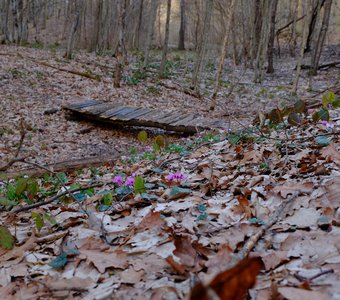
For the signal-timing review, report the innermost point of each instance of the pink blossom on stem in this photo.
(118, 180)
(178, 177)
(130, 181)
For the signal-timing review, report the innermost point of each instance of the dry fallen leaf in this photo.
(231, 284)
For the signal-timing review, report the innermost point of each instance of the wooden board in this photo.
(113, 113)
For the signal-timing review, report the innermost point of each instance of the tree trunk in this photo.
(166, 40)
(322, 36)
(202, 46)
(263, 43)
(273, 8)
(72, 36)
(316, 12)
(302, 47)
(139, 24)
(256, 35)
(152, 19)
(223, 54)
(181, 40)
(121, 53)
(292, 40)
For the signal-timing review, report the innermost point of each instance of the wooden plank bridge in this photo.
(178, 121)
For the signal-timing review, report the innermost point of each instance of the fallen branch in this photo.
(84, 74)
(53, 198)
(187, 91)
(250, 244)
(64, 166)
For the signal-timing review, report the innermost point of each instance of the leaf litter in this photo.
(257, 217)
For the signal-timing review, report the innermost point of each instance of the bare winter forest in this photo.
(170, 149)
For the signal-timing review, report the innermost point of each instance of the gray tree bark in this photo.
(166, 40)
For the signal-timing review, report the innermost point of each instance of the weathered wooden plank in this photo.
(137, 113)
(79, 105)
(155, 116)
(120, 115)
(185, 121)
(137, 116)
(97, 109)
(112, 111)
(175, 118)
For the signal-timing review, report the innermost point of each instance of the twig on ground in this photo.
(250, 244)
(53, 198)
(324, 272)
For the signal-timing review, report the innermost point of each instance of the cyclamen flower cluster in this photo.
(178, 177)
(119, 180)
(329, 125)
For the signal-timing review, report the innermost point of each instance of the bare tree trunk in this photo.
(223, 54)
(139, 24)
(166, 40)
(263, 43)
(273, 8)
(256, 35)
(154, 4)
(121, 53)
(322, 35)
(202, 46)
(72, 36)
(4, 23)
(292, 40)
(316, 12)
(302, 47)
(181, 40)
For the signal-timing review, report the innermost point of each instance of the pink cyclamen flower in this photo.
(175, 177)
(327, 124)
(118, 180)
(130, 181)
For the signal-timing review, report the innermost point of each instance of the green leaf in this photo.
(160, 141)
(336, 103)
(122, 191)
(21, 186)
(39, 220)
(316, 117)
(327, 98)
(49, 218)
(201, 207)
(202, 217)
(300, 106)
(6, 202)
(32, 189)
(256, 221)
(6, 238)
(62, 177)
(138, 185)
(59, 262)
(107, 199)
(142, 136)
(322, 140)
(324, 114)
(178, 192)
(150, 197)
(80, 196)
(294, 119)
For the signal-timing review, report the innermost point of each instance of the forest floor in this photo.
(157, 219)
(30, 89)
